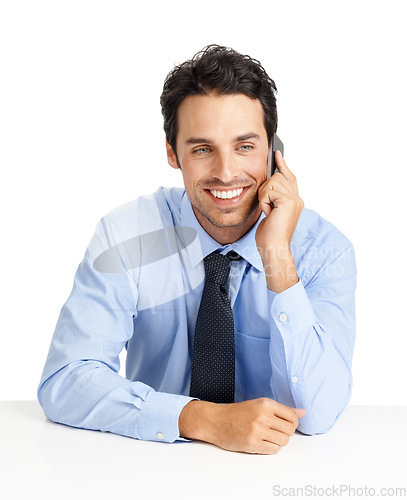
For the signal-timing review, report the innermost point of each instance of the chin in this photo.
(229, 219)
(225, 223)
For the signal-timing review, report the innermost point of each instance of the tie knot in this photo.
(217, 268)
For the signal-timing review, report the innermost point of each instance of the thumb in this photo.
(300, 412)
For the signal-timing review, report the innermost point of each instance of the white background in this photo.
(81, 133)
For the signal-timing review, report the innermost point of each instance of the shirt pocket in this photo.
(253, 367)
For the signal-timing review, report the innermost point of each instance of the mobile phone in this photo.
(275, 145)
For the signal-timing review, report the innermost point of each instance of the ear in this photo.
(171, 156)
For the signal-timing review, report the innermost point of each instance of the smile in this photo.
(227, 195)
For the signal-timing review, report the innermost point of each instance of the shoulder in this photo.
(146, 213)
(117, 237)
(320, 232)
(318, 244)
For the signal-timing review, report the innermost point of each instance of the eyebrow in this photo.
(200, 140)
(246, 137)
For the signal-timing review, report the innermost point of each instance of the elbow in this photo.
(325, 410)
(311, 427)
(56, 396)
(49, 401)
(318, 422)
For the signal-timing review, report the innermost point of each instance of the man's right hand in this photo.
(260, 426)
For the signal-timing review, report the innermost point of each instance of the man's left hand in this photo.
(274, 233)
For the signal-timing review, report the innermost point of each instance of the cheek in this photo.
(188, 175)
(258, 169)
(191, 185)
(192, 175)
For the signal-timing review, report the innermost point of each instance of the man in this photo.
(288, 291)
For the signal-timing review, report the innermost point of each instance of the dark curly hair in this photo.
(220, 71)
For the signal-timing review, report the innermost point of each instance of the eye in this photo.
(201, 151)
(246, 147)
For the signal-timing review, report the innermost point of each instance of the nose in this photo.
(224, 167)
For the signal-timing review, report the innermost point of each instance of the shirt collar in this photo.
(245, 246)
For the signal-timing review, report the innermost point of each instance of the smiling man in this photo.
(235, 302)
(222, 146)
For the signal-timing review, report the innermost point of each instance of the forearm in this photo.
(197, 420)
(316, 378)
(80, 385)
(311, 364)
(279, 268)
(312, 345)
(89, 395)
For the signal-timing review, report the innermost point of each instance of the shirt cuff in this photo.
(158, 420)
(292, 310)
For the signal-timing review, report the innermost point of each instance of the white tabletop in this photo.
(367, 448)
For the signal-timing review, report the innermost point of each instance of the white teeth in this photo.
(227, 194)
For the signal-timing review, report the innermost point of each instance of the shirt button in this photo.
(294, 379)
(160, 435)
(283, 317)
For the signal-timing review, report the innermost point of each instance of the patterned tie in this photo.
(213, 359)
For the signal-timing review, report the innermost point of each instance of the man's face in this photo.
(222, 149)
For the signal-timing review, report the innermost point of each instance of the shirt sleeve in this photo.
(80, 385)
(312, 345)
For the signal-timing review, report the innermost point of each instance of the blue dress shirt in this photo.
(139, 286)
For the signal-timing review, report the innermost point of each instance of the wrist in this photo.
(279, 268)
(196, 421)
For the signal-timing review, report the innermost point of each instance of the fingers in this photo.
(300, 412)
(269, 443)
(270, 198)
(259, 426)
(266, 200)
(269, 446)
(280, 417)
(266, 448)
(277, 438)
(283, 169)
(273, 439)
(281, 185)
(284, 426)
(289, 414)
(281, 188)
(283, 180)
(278, 183)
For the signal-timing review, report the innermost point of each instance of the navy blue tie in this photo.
(213, 359)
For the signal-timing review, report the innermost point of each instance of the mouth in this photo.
(226, 194)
